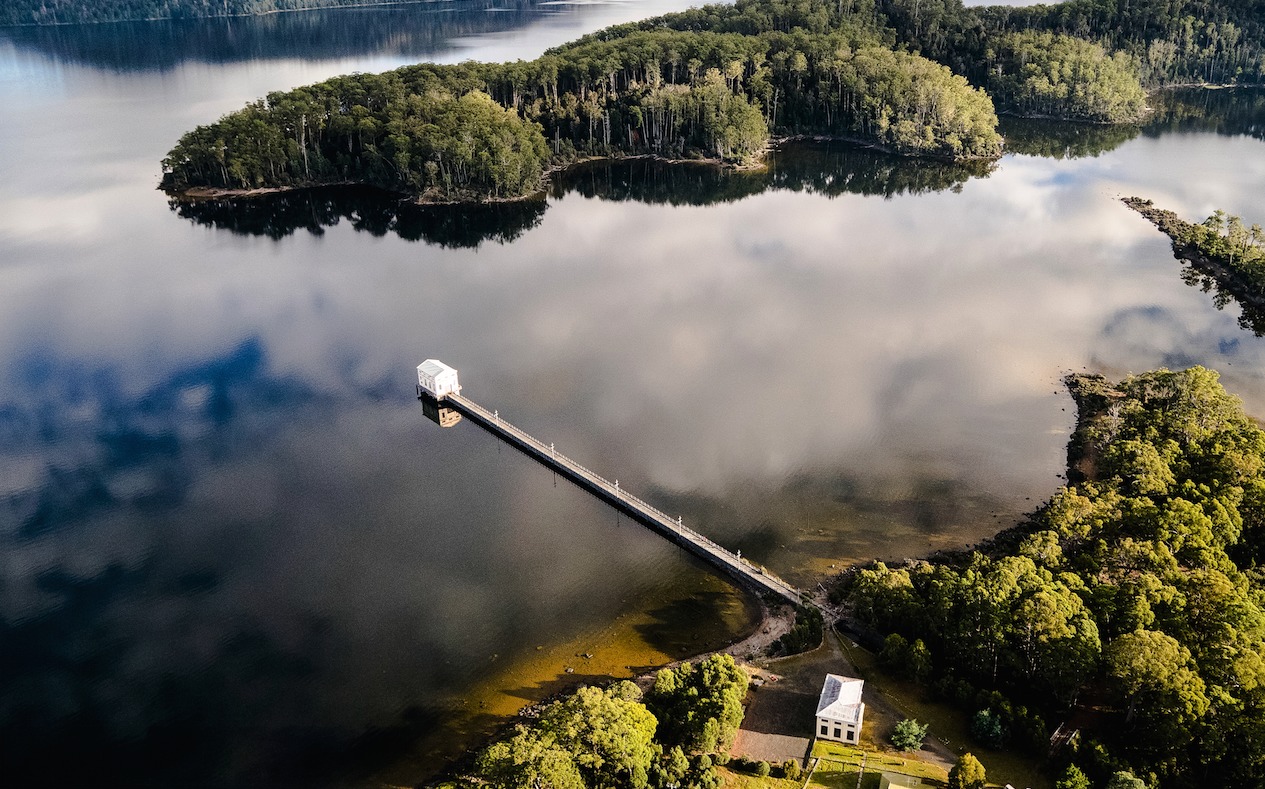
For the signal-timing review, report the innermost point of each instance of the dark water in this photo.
(236, 552)
(406, 30)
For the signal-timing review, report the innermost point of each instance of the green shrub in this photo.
(988, 729)
(1072, 778)
(909, 734)
(967, 773)
(792, 770)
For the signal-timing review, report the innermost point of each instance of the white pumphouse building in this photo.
(840, 711)
(437, 378)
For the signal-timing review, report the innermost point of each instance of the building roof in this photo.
(899, 781)
(434, 367)
(841, 698)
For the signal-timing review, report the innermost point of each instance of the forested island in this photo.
(823, 168)
(1128, 608)
(1224, 253)
(718, 83)
(682, 86)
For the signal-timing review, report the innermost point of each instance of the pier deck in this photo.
(744, 573)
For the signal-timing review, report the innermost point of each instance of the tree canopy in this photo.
(967, 773)
(1140, 579)
(613, 739)
(1178, 42)
(1061, 76)
(908, 735)
(716, 82)
(700, 707)
(710, 83)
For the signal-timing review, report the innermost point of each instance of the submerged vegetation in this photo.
(1130, 605)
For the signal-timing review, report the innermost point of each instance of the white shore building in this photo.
(840, 712)
(437, 378)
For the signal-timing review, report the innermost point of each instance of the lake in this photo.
(236, 552)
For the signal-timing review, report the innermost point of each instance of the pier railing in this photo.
(703, 547)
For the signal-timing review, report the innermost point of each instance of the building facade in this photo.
(437, 378)
(840, 711)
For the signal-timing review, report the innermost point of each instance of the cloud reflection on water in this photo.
(225, 511)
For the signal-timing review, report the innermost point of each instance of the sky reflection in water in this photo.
(231, 537)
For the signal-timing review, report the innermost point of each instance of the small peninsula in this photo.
(1224, 253)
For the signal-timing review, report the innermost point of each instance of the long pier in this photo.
(747, 575)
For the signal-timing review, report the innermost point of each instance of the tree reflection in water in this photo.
(369, 210)
(829, 169)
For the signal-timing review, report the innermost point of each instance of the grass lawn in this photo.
(888, 763)
(838, 752)
(840, 764)
(843, 780)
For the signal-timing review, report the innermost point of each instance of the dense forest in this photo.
(1036, 74)
(671, 737)
(1178, 42)
(712, 82)
(1171, 43)
(1130, 606)
(710, 92)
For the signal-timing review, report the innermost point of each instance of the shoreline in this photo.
(770, 624)
(195, 194)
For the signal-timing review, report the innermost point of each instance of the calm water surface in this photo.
(235, 551)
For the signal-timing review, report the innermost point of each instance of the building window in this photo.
(824, 730)
(838, 734)
(851, 735)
